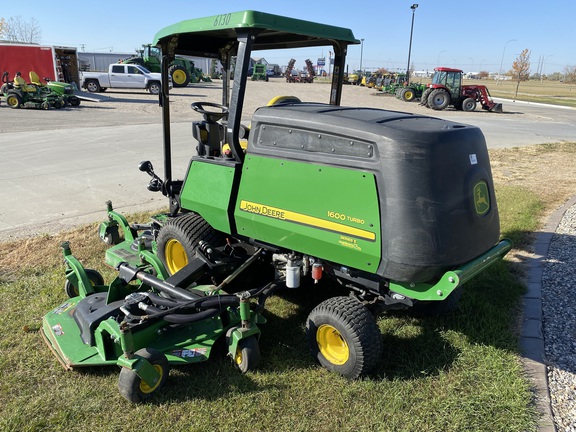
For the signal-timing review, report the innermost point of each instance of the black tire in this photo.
(93, 86)
(13, 100)
(179, 237)
(439, 99)
(424, 98)
(469, 104)
(180, 76)
(74, 101)
(133, 388)
(247, 355)
(154, 87)
(94, 277)
(344, 337)
(407, 94)
(111, 236)
(436, 308)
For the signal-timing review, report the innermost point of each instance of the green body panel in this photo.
(230, 22)
(453, 279)
(343, 226)
(207, 190)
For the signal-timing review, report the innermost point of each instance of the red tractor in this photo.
(447, 89)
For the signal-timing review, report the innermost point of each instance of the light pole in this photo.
(413, 7)
(361, 52)
(502, 61)
(543, 66)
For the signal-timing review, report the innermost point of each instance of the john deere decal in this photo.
(481, 198)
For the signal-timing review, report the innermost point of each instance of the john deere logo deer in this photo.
(481, 198)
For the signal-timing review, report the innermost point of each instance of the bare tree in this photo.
(570, 74)
(521, 69)
(16, 29)
(2, 27)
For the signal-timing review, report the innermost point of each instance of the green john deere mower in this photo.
(398, 208)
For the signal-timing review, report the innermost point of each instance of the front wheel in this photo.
(179, 237)
(469, 104)
(13, 100)
(247, 356)
(93, 86)
(134, 388)
(180, 76)
(94, 277)
(344, 337)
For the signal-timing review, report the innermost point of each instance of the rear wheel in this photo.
(179, 237)
(134, 388)
(424, 98)
(344, 337)
(469, 104)
(439, 99)
(180, 76)
(13, 100)
(93, 86)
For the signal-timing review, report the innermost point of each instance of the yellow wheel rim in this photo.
(238, 356)
(179, 76)
(175, 255)
(12, 101)
(332, 345)
(408, 95)
(145, 388)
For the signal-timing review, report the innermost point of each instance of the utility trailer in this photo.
(58, 63)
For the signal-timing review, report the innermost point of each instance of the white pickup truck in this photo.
(128, 76)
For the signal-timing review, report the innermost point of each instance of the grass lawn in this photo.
(453, 373)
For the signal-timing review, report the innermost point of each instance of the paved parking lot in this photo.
(58, 167)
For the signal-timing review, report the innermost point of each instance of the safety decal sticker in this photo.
(62, 308)
(57, 329)
(189, 353)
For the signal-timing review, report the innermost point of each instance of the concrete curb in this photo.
(532, 337)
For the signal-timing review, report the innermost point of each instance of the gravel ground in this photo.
(559, 321)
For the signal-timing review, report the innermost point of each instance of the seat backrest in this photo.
(19, 81)
(34, 78)
(22, 85)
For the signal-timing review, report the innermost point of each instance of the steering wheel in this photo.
(209, 115)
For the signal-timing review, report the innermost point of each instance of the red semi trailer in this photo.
(55, 62)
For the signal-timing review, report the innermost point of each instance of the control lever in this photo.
(156, 182)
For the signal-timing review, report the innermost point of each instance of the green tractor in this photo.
(353, 197)
(259, 72)
(182, 71)
(411, 92)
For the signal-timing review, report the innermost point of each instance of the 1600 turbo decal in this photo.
(302, 219)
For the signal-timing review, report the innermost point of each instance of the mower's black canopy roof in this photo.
(205, 37)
